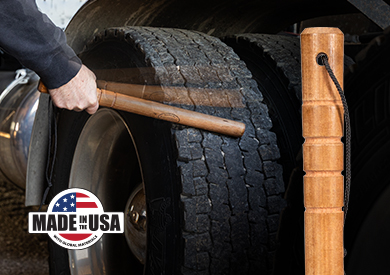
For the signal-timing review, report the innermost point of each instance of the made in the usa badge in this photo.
(75, 219)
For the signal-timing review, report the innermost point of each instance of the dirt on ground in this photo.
(20, 252)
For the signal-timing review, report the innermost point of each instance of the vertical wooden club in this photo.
(323, 160)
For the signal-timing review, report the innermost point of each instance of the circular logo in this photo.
(75, 219)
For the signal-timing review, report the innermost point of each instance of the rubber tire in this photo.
(225, 193)
(66, 140)
(274, 61)
(367, 90)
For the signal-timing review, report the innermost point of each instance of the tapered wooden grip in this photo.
(165, 112)
(169, 113)
(323, 157)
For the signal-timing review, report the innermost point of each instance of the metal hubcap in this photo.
(106, 163)
(135, 223)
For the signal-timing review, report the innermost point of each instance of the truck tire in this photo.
(274, 61)
(213, 202)
(367, 91)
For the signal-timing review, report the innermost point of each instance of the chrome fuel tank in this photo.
(18, 106)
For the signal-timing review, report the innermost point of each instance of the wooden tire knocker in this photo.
(323, 152)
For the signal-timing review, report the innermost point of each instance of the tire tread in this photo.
(228, 222)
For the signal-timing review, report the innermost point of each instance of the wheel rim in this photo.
(106, 163)
(370, 251)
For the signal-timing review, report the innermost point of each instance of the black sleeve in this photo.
(36, 42)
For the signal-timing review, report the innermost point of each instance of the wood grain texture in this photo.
(169, 113)
(178, 95)
(323, 152)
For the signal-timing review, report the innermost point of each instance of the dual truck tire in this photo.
(213, 202)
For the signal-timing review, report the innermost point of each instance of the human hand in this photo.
(78, 94)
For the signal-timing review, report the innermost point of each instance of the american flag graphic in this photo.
(73, 202)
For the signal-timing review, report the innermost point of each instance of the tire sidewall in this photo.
(367, 89)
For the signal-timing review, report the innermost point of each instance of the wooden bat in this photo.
(165, 112)
(323, 160)
(178, 95)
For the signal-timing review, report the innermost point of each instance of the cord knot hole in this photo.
(321, 57)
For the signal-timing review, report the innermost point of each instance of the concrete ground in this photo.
(20, 252)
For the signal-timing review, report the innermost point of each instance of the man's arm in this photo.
(38, 44)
